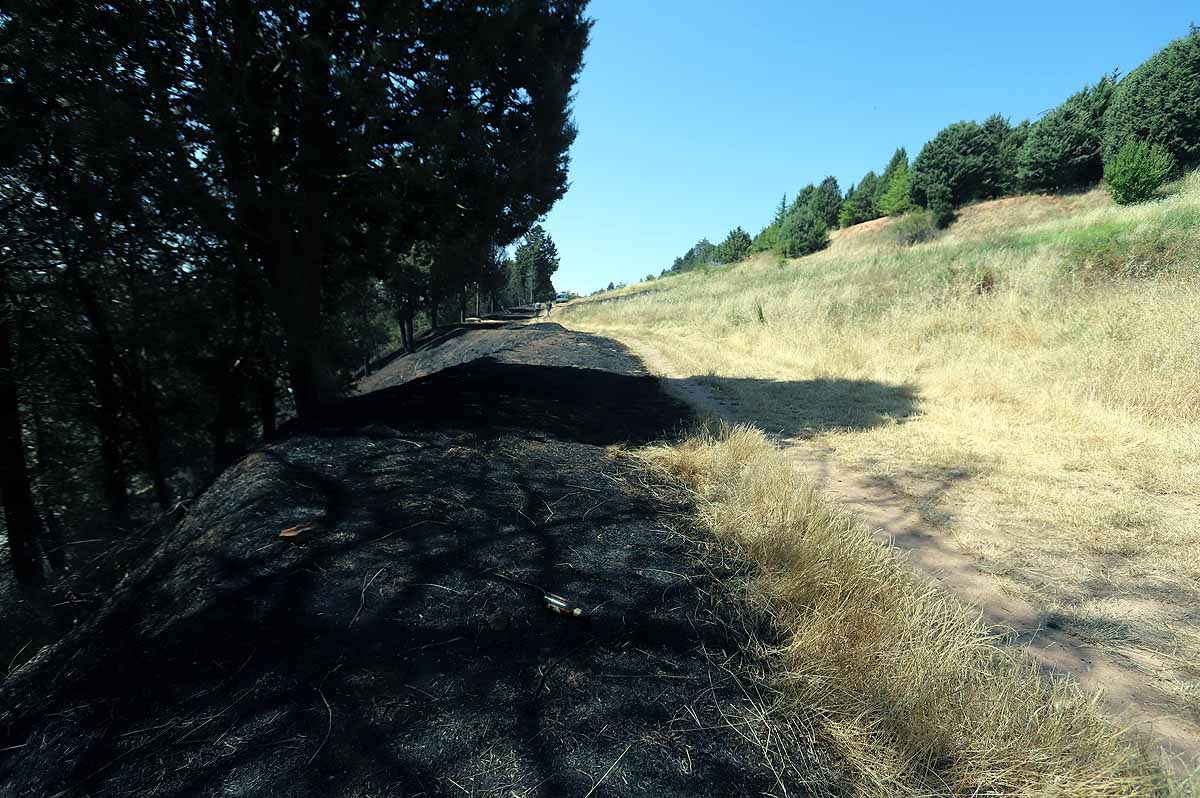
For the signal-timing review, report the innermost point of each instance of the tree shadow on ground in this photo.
(398, 643)
(804, 408)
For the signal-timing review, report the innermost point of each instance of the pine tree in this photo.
(827, 201)
(894, 199)
(1064, 148)
(898, 161)
(735, 247)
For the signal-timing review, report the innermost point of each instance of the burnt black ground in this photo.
(400, 647)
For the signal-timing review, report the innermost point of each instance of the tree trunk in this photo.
(52, 537)
(223, 420)
(20, 517)
(108, 406)
(266, 407)
(405, 341)
(150, 433)
(108, 426)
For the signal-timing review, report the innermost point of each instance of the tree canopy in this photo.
(204, 203)
(1159, 102)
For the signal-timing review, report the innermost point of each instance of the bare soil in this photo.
(395, 640)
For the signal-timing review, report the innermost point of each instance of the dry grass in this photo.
(1038, 364)
(908, 689)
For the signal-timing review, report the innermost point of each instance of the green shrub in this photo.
(1063, 150)
(735, 247)
(914, 227)
(967, 158)
(1121, 249)
(1159, 102)
(802, 233)
(1137, 170)
(940, 204)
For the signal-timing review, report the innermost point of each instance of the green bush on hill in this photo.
(1063, 150)
(1159, 102)
(702, 252)
(971, 160)
(1137, 171)
(914, 227)
(802, 233)
(735, 247)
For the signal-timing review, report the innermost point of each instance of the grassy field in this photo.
(1039, 362)
(900, 681)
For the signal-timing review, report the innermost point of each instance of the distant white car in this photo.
(561, 298)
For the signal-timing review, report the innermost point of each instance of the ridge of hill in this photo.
(1038, 413)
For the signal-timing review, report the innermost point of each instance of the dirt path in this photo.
(1123, 678)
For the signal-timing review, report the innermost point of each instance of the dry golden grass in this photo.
(1037, 364)
(909, 690)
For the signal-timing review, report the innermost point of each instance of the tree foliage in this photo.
(898, 162)
(1159, 102)
(702, 253)
(972, 161)
(802, 233)
(859, 204)
(735, 247)
(533, 265)
(894, 200)
(202, 203)
(1137, 170)
(826, 201)
(1064, 148)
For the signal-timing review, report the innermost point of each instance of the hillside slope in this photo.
(358, 610)
(1026, 385)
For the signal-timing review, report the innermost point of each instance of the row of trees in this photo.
(212, 213)
(1152, 114)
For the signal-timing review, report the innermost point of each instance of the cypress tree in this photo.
(1159, 103)
(1064, 148)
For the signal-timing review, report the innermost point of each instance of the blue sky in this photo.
(697, 115)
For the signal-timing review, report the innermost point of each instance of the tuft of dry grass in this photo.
(1031, 378)
(909, 689)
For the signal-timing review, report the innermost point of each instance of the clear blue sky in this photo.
(696, 115)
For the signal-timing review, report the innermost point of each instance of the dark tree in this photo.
(536, 260)
(802, 233)
(1064, 148)
(859, 205)
(735, 247)
(967, 158)
(827, 201)
(1159, 103)
(203, 202)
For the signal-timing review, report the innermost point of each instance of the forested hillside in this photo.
(1135, 131)
(213, 215)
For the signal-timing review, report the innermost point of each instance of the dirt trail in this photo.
(1122, 678)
